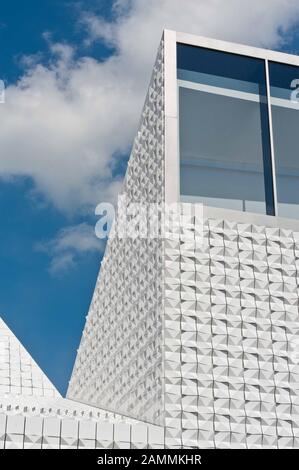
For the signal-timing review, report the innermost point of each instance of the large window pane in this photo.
(223, 130)
(285, 118)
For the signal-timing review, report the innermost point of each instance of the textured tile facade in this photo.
(231, 338)
(19, 373)
(119, 362)
(61, 424)
(48, 421)
(196, 334)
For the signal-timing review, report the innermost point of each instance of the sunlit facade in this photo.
(188, 342)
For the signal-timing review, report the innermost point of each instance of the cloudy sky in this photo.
(76, 75)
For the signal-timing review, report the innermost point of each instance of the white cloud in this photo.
(65, 124)
(69, 244)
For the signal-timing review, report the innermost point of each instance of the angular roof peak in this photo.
(19, 373)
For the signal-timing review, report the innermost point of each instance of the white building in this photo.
(191, 337)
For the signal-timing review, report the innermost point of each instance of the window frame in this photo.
(268, 160)
(170, 40)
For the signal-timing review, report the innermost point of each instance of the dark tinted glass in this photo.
(284, 82)
(225, 158)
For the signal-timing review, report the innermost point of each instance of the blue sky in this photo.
(76, 76)
(22, 25)
(46, 312)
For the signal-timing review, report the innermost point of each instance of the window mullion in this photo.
(271, 137)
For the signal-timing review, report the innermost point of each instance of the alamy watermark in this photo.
(295, 93)
(149, 220)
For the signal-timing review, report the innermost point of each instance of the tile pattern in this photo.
(231, 338)
(41, 418)
(62, 424)
(19, 374)
(119, 361)
(200, 335)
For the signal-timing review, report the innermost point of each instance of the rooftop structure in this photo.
(193, 334)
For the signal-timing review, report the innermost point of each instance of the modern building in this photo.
(33, 414)
(193, 335)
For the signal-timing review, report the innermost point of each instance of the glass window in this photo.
(225, 158)
(284, 83)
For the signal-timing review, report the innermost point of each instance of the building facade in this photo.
(193, 334)
(33, 414)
